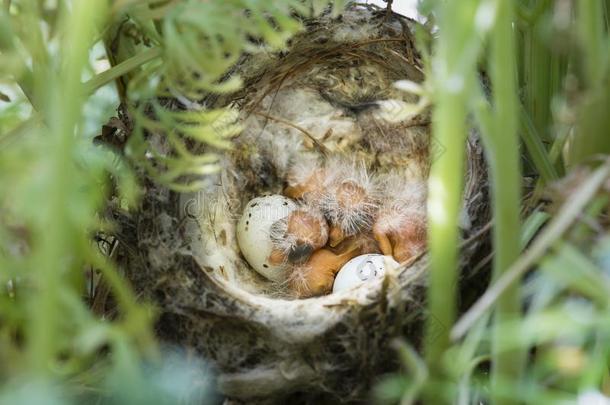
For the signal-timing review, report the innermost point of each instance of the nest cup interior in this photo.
(331, 100)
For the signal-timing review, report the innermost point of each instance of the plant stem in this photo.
(455, 61)
(62, 106)
(121, 69)
(444, 202)
(503, 145)
(536, 62)
(560, 223)
(26, 80)
(590, 24)
(536, 150)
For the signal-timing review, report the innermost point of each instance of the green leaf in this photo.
(536, 149)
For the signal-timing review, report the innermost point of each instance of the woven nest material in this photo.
(318, 98)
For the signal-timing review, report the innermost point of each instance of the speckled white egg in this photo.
(362, 269)
(253, 232)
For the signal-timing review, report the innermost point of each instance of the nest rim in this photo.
(199, 301)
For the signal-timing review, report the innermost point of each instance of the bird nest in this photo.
(328, 100)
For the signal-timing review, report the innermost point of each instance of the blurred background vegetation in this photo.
(539, 334)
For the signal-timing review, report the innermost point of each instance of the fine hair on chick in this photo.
(316, 276)
(307, 179)
(297, 236)
(400, 226)
(351, 200)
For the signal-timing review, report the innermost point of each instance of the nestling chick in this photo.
(349, 202)
(297, 236)
(316, 277)
(342, 189)
(307, 181)
(400, 227)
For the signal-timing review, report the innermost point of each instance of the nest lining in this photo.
(315, 101)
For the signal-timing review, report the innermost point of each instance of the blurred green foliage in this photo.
(539, 334)
(548, 65)
(65, 66)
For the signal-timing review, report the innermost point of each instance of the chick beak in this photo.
(300, 253)
(335, 236)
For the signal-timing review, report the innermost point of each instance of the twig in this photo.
(465, 243)
(477, 234)
(320, 146)
(102, 290)
(388, 10)
(564, 219)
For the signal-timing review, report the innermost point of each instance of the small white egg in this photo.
(362, 269)
(253, 232)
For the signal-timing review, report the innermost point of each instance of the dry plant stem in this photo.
(556, 228)
(388, 11)
(308, 134)
(463, 245)
(503, 152)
